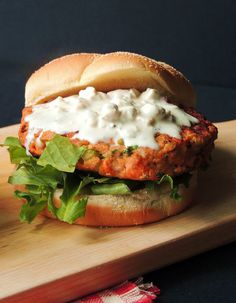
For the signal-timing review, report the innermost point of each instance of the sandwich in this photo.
(108, 140)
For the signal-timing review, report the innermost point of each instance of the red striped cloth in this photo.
(127, 292)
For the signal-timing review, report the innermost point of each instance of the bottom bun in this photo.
(138, 208)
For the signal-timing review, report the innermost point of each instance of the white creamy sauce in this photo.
(123, 114)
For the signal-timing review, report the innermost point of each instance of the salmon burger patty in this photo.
(174, 156)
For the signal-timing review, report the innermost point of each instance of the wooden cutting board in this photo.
(49, 261)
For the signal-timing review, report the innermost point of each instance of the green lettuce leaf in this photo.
(17, 152)
(29, 212)
(36, 175)
(72, 210)
(173, 187)
(11, 141)
(73, 186)
(110, 189)
(72, 207)
(61, 154)
(35, 204)
(41, 177)
(54, 170)
(174, 183)
(40, 183)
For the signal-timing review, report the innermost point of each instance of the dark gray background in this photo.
(197, 37)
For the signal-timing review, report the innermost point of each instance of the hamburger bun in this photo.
(68, 75)
(119, 70)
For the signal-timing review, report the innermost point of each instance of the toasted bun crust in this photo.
(135, 209)
(69, 74)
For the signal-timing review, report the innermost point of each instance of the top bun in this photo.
(119, 70)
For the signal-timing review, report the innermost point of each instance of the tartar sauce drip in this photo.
(123, 114)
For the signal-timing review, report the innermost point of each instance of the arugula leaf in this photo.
(110, 189)
(61, 154)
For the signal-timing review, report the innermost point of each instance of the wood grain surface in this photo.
(49, 261)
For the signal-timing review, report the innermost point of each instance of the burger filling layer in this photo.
(114, 143)
(127, 134)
